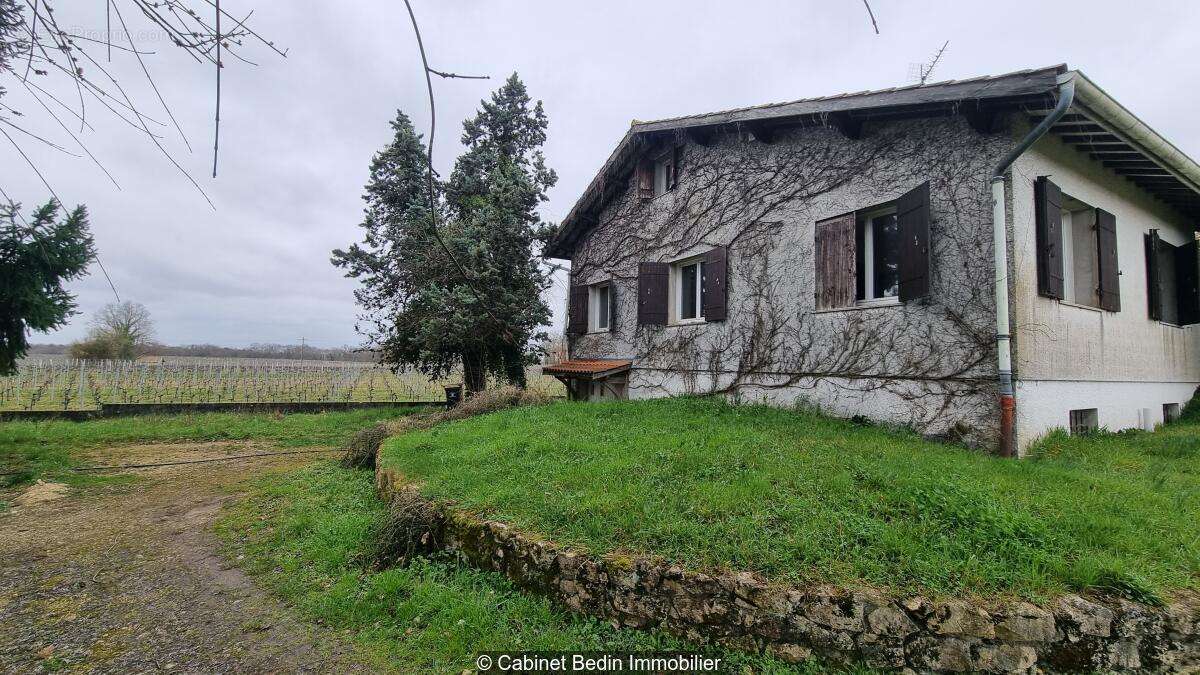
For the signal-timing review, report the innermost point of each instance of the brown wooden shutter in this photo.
(912, 215)
(652, 293)
(612, 306)
(673, 180)
(1154, 294)
(1109, 270)
(1047, 198)
(577, 309)
(644, 176)
(835, 265)
(1187, 274)
(716, 283)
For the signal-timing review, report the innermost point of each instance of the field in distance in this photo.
(50, 382)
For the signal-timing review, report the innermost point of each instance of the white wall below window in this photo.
(1043, 405)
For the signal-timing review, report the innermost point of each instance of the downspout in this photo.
(1066, 95)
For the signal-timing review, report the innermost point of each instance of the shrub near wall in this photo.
(1072, 633)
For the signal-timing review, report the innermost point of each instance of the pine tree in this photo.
(36, 259)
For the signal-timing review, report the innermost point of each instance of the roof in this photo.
(589, 369)
(1032, 91)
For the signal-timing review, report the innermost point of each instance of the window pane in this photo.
(887, 256)
(1170, 284)
(687, 292)
(602, 307)
(660, 177)
(703, 283)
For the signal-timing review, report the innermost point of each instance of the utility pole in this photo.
(302, 345)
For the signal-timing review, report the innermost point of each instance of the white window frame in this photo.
(676, 294)
(866, 221)
(594, 305)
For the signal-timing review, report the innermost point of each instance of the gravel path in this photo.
(129, 579)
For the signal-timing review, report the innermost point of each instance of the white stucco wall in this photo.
(1072, 357)
(1043, 404)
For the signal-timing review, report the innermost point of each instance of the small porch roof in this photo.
(587, 369)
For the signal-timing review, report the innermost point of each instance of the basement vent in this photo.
(1084, 421)
(1170, 412)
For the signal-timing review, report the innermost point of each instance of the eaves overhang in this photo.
(1096, 124)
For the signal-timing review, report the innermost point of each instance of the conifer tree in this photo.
(36, 259)
(422, 309)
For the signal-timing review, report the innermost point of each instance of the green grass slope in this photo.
(806, 498)
(306, 534)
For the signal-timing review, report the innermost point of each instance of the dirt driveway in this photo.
(129, 579)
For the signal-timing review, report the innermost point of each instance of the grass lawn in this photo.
(48, 449)
(306, 534)
(806, 498)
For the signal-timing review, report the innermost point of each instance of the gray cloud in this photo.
(297, 133)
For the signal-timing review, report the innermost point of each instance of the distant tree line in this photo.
(254, 351)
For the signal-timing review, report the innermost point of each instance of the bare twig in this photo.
(51, 50)
(433, 206)
(217, 123)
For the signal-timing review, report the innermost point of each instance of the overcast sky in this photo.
(297, 133)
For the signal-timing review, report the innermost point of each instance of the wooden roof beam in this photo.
(761, 132)
(701, 135)
(848, 126)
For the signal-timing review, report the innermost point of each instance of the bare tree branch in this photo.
(872, 15)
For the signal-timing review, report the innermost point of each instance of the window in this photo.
(664, 170)
(1077, 259)
(1170, 412)
(687, 289)
(877, 255)
(601, 307)
(1081, 272)
(1083, 421)
(657, 175)
(1172, 281)
(1168, 284)
(874, 256)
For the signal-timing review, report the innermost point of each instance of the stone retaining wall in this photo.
(1070, 634)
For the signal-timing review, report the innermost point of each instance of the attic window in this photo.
(664, 174)
(658, 175)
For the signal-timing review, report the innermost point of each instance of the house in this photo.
(850, 252)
